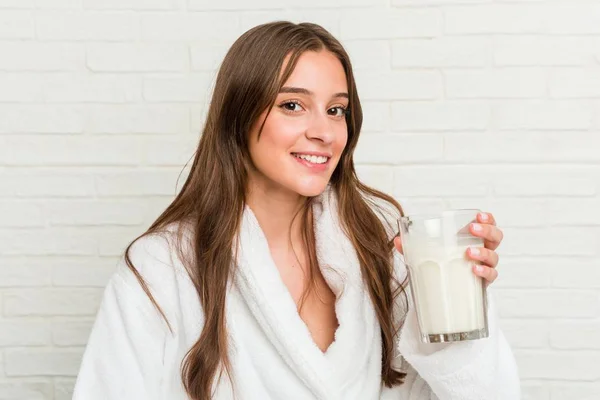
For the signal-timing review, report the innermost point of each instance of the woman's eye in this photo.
(337, 111)
(291, 106)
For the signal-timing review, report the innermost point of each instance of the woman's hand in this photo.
(492, 237)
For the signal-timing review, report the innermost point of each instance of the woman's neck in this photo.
(279, 215)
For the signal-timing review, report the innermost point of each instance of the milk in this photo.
(448, 296)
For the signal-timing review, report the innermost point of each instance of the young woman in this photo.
(273, 274)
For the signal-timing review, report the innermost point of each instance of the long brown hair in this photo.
(212, 198)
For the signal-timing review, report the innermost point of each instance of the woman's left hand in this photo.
(492, 237)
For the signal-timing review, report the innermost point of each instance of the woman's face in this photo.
(305, 133)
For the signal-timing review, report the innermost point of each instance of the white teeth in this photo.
(312, 159)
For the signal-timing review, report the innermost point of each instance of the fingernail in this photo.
(479, 268)
(477, 227)
(474, 251)
(484, 216)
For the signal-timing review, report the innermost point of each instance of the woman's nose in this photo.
(320, 128)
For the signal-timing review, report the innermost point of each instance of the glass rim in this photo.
(439, 214)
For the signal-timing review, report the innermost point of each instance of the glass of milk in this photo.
(450, 300)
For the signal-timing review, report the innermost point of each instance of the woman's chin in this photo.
(311, 189)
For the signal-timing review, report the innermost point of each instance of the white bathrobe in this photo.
(132, 355)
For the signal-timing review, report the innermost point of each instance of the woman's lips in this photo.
(313, 166)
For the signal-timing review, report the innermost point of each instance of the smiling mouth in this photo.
(318, 160)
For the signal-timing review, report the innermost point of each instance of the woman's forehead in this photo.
(319, 72)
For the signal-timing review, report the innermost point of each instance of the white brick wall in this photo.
(468, 103)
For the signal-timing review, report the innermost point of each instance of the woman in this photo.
(272, 274)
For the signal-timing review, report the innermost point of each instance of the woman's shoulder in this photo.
(386, 211)
(154, 254)
(152, 263)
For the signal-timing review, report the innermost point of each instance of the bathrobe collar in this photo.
(258, 280)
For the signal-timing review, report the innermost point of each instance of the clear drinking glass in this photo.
(450, 300)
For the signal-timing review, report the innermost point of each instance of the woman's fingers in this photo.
(486, 218)
(491, 235)
(486, 256)
(488, 273)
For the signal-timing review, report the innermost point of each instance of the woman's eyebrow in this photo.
(290, 89)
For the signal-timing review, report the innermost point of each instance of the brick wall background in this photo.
(468, 103)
